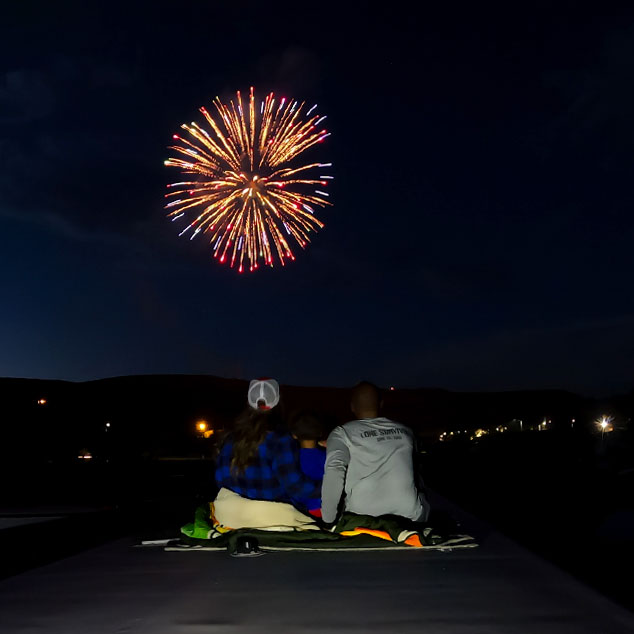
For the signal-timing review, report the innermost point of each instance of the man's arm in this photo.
(419, 482)
(418, 465)
(337, 459)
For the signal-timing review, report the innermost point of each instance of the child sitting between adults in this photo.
(308, 430)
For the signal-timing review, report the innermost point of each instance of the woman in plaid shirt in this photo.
(259, 460)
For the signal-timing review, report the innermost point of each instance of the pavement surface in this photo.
(12, 522)
(498, 587)
(14, 517)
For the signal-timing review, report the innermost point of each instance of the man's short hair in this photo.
(366, 394)
(368, 385)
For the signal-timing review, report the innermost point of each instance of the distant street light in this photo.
(604, 422)
(41, 401)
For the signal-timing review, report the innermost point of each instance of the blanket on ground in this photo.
(231, 511)
(263, 521)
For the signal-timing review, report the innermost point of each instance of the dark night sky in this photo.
(482, 231)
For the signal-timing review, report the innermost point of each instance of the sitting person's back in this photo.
(259, 460)
(308, 430)
(371, 459)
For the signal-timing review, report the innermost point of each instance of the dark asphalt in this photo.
(498, 588)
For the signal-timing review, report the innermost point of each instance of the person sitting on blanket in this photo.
(260, 460)
(308, 430)
(371, 459)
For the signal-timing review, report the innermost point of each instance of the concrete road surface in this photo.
(498, 588)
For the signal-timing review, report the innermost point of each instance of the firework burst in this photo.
(248, 190)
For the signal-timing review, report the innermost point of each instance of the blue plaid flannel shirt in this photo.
(275, 475)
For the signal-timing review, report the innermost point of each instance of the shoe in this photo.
(246, 547)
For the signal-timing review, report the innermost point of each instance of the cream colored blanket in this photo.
(230, 510)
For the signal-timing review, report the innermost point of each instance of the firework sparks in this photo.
(248, 190)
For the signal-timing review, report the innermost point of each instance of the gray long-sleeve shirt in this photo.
(372, 461)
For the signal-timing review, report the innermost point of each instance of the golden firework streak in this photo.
(247, 195)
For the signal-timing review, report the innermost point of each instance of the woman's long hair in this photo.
(250, 430)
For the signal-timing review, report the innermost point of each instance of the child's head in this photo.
(307, 426)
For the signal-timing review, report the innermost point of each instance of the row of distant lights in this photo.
(478, 433)
(604, 423)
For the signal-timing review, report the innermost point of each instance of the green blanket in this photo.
(201, 535)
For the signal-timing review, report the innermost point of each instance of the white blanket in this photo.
(231, 510)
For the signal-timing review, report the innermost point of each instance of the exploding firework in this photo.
(249, 191)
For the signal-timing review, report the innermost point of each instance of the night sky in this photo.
(483, 229)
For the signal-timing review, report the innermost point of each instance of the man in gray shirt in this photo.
(371, 459)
